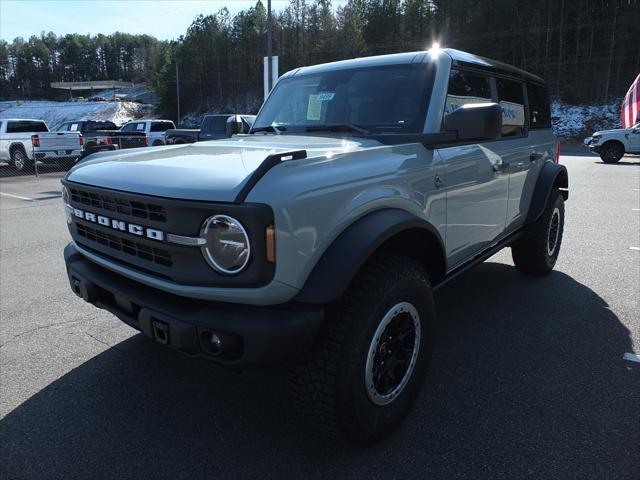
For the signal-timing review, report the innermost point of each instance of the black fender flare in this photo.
(347, 253)
(552, 175)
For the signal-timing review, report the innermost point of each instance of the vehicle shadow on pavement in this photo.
(621, 163)
(527, 380)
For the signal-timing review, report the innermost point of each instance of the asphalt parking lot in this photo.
(528, 378)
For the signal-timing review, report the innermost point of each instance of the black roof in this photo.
(468, 59)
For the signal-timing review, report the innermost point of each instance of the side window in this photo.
(26, 126)
(465, 88)
(161, 126)
(511, 99)
(129, 127)
(539, 107)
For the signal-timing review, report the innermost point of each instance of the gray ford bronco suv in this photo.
(315, 242)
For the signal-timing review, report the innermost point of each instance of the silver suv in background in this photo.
(612, 145)
(316, 241)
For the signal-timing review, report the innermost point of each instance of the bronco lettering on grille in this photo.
(120, 225)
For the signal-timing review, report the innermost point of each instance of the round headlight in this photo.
(227, 249)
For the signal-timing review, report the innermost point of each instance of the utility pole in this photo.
(178, 90)
(269, 47)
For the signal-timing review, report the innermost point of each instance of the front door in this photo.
(476, 182)
(634, 139)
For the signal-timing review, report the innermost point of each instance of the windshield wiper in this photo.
(270, 128)
(343, 127)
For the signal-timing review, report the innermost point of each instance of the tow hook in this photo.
(161, 332)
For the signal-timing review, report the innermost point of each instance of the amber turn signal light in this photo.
(270, 237)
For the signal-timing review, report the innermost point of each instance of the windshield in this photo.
(384, 99)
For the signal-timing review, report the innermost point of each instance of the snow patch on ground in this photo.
(55, 113)
(574, 122)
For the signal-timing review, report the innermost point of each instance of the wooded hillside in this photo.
(587, 50)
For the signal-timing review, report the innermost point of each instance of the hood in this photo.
(614, 131)
(213, 170)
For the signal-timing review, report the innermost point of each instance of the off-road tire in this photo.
(329, 387)
(536, 252)
(611, 152)
(20, 161)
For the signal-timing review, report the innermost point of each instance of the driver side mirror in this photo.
(234, 125)
(475, 121)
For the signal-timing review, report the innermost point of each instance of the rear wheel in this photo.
(611, 152)
(370, 360)
(536, 252)
(20, 161)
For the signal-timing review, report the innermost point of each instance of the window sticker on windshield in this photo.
(140, 126)
(314, 108)
(325, 96)
(74, 127)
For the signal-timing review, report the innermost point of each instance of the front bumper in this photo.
(267, 336)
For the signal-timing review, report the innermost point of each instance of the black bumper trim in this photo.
(270, 336)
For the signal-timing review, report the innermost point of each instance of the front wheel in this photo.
(611, 152)
(536, 252)
(369, 361)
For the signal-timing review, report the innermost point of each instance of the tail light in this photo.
(557, 151)
(35, 140)
(146, 141)
(108, 140)
(81, 140)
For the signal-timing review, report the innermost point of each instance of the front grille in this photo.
(151, 254)
(114, 204)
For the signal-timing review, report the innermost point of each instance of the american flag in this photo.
(631, 105)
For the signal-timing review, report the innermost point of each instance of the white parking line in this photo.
(15, 196)
(634, 248)
(636, 209)
(632, 357)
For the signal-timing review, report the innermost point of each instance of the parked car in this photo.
(103, 136)
(611, 145)
(153, 129)
(213, 127)
(24, 141)
(317, 242)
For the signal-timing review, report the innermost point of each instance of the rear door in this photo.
(476, 180)
(520, 156)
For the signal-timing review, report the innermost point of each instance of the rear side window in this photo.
(26, 126)
(133, 127)
(161, 126)
(539, 107)
(465, 88)
(511, 99)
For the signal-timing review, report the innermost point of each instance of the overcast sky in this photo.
(164, 19)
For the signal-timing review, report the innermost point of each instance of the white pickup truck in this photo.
(25, 141)
(611, 145)
(154, 129)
